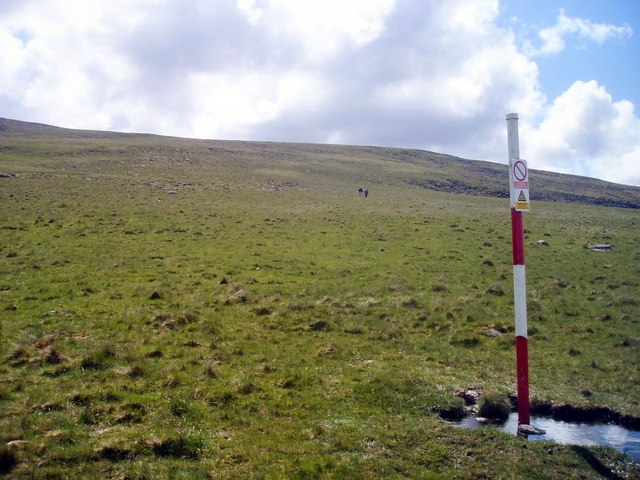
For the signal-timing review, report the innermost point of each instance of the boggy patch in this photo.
(564, 412)
(573, 413)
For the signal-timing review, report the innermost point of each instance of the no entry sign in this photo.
(519, 176)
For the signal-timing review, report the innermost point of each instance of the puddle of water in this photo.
(627, 441)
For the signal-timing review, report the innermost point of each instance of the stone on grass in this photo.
(525, 429)
(494, 333)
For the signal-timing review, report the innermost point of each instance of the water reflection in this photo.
(627, 441)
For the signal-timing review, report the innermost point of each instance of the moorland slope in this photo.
(176, 308)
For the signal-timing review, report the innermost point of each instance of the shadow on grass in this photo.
(595, 463)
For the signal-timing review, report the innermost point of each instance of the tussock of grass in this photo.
(98, 360)
(182, 446)
(494, 406)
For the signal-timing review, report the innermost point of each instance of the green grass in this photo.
(194, 309)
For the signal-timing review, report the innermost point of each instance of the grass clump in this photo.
(183, 445)
(98, 360)
(494, 406)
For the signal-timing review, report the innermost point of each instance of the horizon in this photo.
(537, 170)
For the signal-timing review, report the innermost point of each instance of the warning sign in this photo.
(522, 202)
(519, 179)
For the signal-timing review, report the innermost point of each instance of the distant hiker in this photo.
(360, 191)
(363, 192)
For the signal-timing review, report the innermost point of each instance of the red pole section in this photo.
(517, 234)
(520, 302)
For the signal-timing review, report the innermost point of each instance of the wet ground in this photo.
(620, 438)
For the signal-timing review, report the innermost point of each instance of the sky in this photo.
(437, 75)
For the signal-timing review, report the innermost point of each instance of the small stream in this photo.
(620, 438)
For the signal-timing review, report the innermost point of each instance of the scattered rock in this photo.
(543, 243)
(492, 332)
(598, 247)
(525, 429)
(470, 396)
(47, 407)
(471, 410)
(237, 296)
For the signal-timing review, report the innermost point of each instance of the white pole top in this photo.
(513, 144)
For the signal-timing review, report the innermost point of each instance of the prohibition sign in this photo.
(520, 171)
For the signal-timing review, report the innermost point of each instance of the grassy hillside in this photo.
(213, 309)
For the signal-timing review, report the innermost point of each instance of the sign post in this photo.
(520, 185)
(519, 195)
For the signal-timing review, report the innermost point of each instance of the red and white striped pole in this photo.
(519, 277)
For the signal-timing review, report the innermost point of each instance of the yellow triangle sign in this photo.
(521, 197)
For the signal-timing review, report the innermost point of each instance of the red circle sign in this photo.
(519, 171)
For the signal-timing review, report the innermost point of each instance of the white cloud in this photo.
(553, 38)
(413, 73)
(587, 133)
